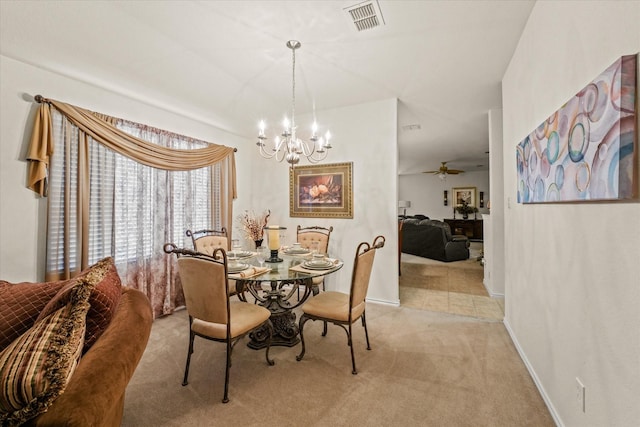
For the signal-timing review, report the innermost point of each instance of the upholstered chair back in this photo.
(205, 288)
(306, 236)
(208, 244)
(207, 241)
(360, 278)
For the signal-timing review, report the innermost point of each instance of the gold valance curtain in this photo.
(100, 128)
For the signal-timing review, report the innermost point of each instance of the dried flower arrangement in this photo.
(253, 224)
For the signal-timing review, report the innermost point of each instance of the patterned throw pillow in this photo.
(20, 304)
(104, 298)
(35, 368)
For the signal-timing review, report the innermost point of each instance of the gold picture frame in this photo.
(460, 194)
(321, 191)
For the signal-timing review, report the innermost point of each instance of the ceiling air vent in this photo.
(365, 16)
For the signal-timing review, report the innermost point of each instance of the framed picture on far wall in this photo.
(321, 191)
(464, 194)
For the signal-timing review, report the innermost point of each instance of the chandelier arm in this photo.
(319, 158)
(306, 151)
(280, 154)
(264, 152)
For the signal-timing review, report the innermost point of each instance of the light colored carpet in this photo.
(424, 369)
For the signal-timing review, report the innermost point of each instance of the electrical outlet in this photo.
(580, 394)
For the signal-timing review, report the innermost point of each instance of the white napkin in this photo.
(249, 272)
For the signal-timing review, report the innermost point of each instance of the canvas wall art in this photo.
(587, 149)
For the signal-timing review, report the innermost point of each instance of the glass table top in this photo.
(292, 267)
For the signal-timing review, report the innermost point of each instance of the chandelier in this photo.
(287, 146)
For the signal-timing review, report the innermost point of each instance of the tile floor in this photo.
(452, 302)
(448, 287)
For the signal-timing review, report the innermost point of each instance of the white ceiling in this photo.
(226, 63)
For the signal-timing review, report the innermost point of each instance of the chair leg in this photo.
(303, 320)
(324, 328)
(271, 362)
(225, 398)
(185, 380)
(366, 332)
(354, 371)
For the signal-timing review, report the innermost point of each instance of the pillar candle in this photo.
(274, 237)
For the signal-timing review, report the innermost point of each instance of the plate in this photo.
(241, 254)
(317, 265)
(237, 268)
(300, 251)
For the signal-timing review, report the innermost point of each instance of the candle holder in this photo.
(275, 235)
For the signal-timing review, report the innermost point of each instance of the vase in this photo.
(258, 243)
(465, 216)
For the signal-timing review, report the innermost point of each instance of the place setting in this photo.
(318, 262)
(296, 249)
(237, 253)
(243, 271)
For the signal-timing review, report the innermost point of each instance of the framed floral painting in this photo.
(321, 191)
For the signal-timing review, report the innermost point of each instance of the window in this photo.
(133, 209)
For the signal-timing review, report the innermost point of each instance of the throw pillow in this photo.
(20, 304)
(104, 298)
(35, 368)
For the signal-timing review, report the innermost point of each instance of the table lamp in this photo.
(404, 204)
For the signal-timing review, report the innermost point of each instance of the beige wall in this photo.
(571, 270)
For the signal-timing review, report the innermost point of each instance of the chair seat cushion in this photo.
(332, 305)
(244, 317)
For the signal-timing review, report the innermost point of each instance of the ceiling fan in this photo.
(444, 171)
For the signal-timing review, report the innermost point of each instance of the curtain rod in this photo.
(40, 99)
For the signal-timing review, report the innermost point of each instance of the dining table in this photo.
(274, 285)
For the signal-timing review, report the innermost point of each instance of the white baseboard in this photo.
(384, 302)
(532, 372)
(490, 292)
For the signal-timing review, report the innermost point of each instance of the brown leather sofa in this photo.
(432, 239)
(94, 395)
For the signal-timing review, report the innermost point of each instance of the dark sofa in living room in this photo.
(432, 239)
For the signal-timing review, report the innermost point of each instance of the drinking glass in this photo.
(315, 247)
(235, 248)
(262, 253)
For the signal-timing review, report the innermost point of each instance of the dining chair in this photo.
(207, 241)
(211, 315)
(307, 237)
(344, 309)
